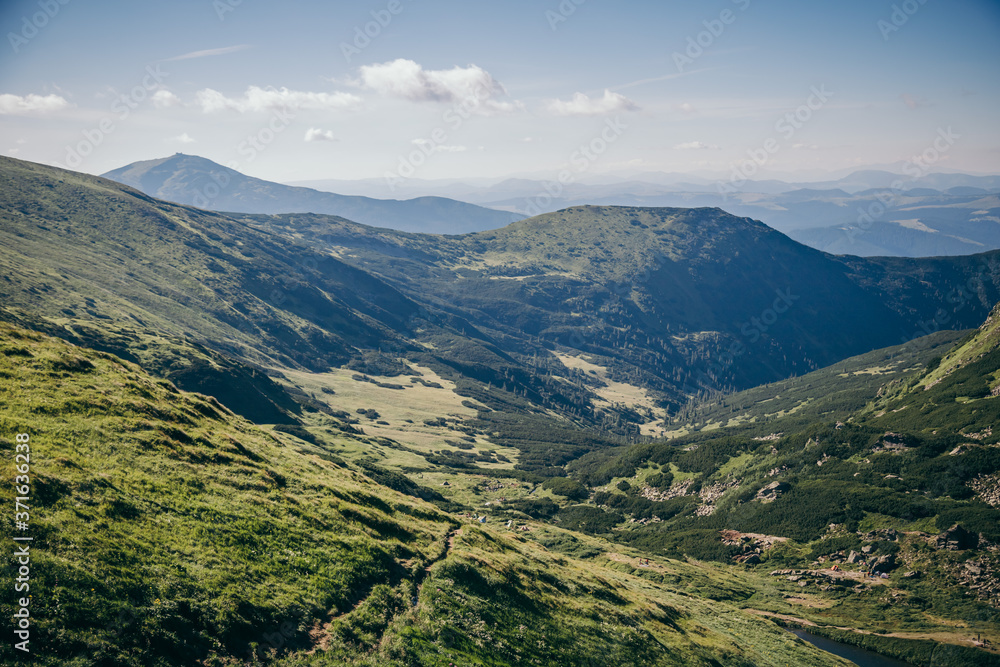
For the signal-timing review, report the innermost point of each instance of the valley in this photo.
(597, 436)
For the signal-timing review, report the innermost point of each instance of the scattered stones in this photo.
(675, 491)
(982, 578)
(987, 488)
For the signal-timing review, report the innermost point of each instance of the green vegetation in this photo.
(168, 530)
(403, 387)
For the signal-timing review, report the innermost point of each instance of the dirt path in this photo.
(944, 637)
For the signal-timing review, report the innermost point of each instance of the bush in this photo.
(567, 487)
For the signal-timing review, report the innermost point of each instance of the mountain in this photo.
(673, 301)
(867, 213)
(557, 390)
(917, 223)
(97, 250)
(672, 298)
(196, 181)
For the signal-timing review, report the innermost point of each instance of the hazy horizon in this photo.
(394, 89)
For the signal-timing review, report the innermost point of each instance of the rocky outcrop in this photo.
(772, 491)
(957, 538)
(886, 563)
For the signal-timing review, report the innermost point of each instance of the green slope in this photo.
(168, 531)
(833, 393)
(81, 246)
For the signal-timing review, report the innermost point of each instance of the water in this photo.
(858, 656)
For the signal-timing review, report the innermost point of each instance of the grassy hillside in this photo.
(169, 531)
(831, 394)
(80, 246)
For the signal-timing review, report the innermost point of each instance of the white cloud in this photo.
(440, 148)
(184, 138)
(209, 52)
(686, 107)
(693, 145)
(471, 86)
(913, 102)
(316, 134)
(18, 105)
(261, 99)
(164, 98)
(582, 105)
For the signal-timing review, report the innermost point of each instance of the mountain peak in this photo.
(193, 180)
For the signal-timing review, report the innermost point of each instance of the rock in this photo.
(771, 492)
(974, 569)
(852, 557)
(912, 574)
(884, 563)
(867, 549)
(957, 538)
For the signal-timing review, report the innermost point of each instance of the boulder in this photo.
(771, 492)
(957, 538)
(885, 563)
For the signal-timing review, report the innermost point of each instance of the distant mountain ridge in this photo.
(871, 212)
(197, 181)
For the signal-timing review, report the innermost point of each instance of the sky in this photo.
(434, 89)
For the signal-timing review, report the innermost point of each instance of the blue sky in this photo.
(286, 91)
